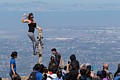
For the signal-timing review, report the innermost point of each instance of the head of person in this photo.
(65, 68)
(54, 51)
(45, 70)
(88, 66)
(30, 16)
(83, 72)
(42, 68)
(37, 67)
(99, 74)
(83, 66)
(88, 69)
(59, 74)
(105, 66)
(0, 78)
(119, 67)
(14, 54)
(52, 58)
(72, 57)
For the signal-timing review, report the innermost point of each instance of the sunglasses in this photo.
(32, 16)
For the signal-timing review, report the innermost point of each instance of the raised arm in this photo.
(24, 20)
(67, 70)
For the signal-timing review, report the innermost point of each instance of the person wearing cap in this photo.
(12, 72)
(32, 25)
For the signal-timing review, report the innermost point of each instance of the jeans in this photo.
(32, 38)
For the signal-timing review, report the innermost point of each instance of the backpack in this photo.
(32, 76)
(118, 74)
(84, 77)
(109, 76)
(117, 78)
(61, 64)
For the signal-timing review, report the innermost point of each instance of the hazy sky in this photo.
(59, 5)
(68, 12)
(57, 1)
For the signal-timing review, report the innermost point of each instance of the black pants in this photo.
(14, 78)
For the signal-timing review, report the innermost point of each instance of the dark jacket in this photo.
(72, 75)
(52, 66)
(57, 58)
(74, 62)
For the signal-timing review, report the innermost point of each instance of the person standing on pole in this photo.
(32, 25)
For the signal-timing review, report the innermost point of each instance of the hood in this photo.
(72, 57)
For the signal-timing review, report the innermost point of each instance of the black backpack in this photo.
(32, 76)
(109, 76)
(84, 77)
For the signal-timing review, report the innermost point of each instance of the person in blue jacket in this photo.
(36, 74)
(12, 72)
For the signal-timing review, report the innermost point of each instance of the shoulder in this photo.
(12, 60)
(75, 62)
(59, 54)
(34, 21)
(117, 78)
(26, 21)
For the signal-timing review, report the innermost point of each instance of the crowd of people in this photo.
(71, 71)
(56, 69)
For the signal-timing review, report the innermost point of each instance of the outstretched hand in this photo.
(40, 28)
